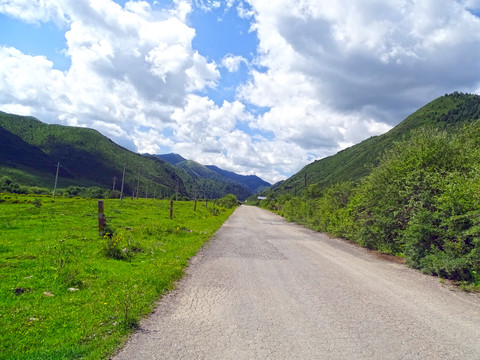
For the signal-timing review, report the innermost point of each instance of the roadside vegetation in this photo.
(422, 202)
(447, 113)
(7, 185)
(67, 292)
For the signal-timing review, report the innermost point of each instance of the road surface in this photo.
(267, 289)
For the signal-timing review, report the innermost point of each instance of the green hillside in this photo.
(31, 149)
(253, 182)
(212, 184)
(213, 181)
(354, 163)
(418, 195)
(172, 158)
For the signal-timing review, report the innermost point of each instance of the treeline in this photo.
(7, 185)
(94, 192)
(422, 202)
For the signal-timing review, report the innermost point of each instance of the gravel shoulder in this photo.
(264, 288)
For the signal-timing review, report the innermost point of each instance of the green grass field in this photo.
(68, 293)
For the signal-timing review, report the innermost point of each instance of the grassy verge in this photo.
(66, 293)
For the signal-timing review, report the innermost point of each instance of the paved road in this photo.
(267, 289)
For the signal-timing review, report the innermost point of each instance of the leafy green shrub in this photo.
(447, 265)
(422, 201)
(229, 201)
(213, 210)
(292, 210)
(113, 249)
(333, 213)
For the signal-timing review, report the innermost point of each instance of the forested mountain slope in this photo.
(419, 199)
(213, 181)
(253, 182)
(31, 150)
(445, 113)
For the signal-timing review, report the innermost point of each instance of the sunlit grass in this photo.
(62, 296)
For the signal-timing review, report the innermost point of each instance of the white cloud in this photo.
(339, 72)
(201, 125)
(35, 11)
(326, 74)
(233, 62)
(208, 133)
(369, 54)
(150, 142)
(131, 67)
(30, 82)
(208, 5)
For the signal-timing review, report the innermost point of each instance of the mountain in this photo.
(31, 149)
(214, 181)
(253, 182)
(445, 113)
(171, 158)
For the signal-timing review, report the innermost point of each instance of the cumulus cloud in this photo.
(325, 75)
(30, 82)
(233, 62)
(34, 11)
(201, 125)
(331, 74)
(209, 134)
(131, 67)
(373, 57)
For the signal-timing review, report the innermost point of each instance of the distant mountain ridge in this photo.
(253, 182)
(171, 158)
(242, 186)
(31, 149)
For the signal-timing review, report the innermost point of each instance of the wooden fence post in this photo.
(171, 209)
(101, 217)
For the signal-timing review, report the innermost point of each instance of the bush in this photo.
(113, 248)
(229, 201)
(422, 201)
(94, 192)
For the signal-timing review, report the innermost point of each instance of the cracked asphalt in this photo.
(263, 288)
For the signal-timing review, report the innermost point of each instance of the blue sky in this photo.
(35, 39)
(220, 32)
(251, 86)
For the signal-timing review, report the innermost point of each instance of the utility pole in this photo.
(123, 179)
(176, 192)
(138, 185)
(114, 181)
(56, 178)
(305, 180)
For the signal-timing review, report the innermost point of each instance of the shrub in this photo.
(228, 201)
(113, 248)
